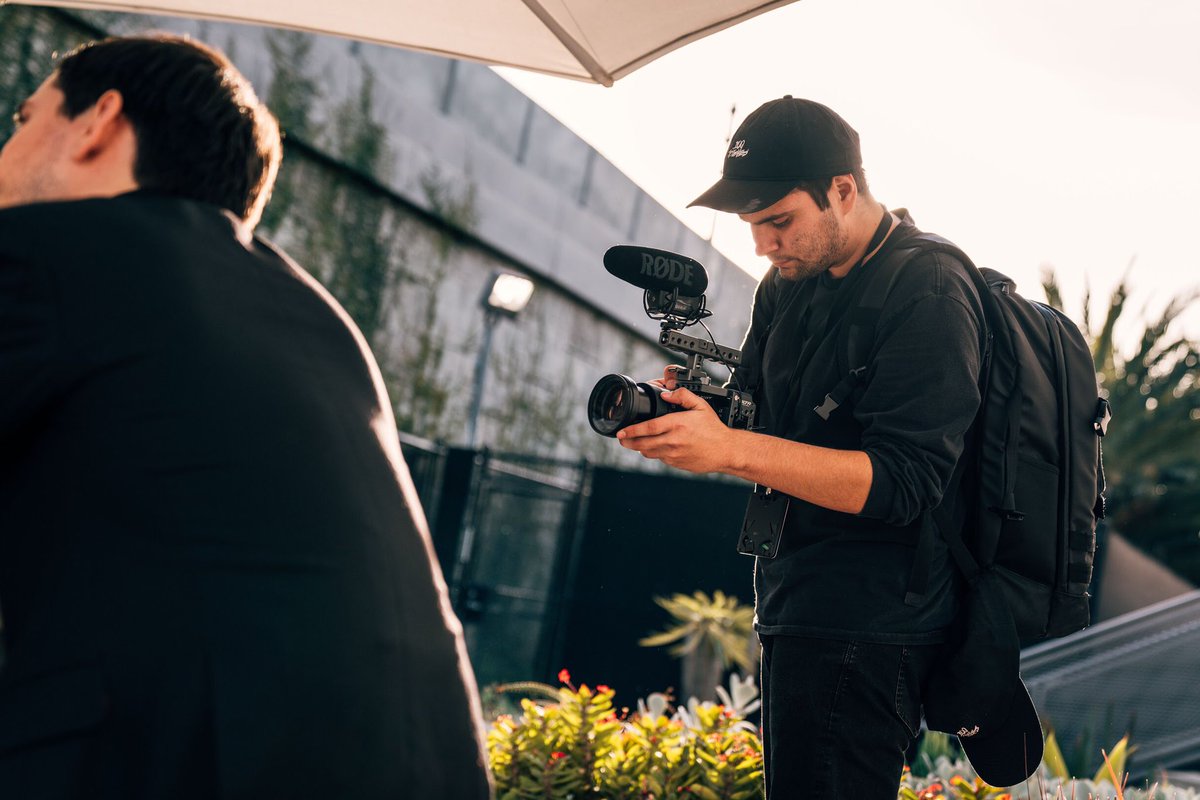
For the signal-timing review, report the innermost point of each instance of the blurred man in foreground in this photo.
(215, 574)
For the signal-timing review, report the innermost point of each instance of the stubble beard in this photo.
(826, 248)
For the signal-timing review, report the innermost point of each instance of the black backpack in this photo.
(1034, 473)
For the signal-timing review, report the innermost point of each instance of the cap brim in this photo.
(1012, 752)
(743, 196)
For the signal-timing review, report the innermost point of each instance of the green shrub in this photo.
(579, 747)
(576, 745)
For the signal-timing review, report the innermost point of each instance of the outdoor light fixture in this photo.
(510, 293)
(507, 297)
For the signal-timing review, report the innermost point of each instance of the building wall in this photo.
(408, 181)
(1131, 580)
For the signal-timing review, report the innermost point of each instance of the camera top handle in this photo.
(697, 350)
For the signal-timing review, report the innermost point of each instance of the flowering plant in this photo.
(577, 745)
(951, 779)
(580, 746)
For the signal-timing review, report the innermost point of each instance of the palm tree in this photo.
(712, 634)
(1152, 450)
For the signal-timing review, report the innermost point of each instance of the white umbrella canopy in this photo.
(590, 40)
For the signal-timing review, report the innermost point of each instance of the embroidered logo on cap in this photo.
(738, 150)
(964, 732)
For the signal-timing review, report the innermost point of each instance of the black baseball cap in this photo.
(780, 144)
(977, 693)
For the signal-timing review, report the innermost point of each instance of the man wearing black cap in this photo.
(847, 642)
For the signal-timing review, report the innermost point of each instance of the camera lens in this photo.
(617, 402)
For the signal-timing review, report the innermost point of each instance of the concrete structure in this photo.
(1134, 674)
(1129, 580)
(539, 201)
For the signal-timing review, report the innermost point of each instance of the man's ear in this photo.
(101, 127)
(843, 191)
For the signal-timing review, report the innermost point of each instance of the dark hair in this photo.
(818, 188)
(201, 131)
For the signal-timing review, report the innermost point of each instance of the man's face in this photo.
(800, 239)
(31, 160)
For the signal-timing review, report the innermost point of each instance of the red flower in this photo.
(557, 754)
(564, 676)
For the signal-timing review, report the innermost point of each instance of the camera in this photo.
(674, 295)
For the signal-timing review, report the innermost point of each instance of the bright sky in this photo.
(1031, 132)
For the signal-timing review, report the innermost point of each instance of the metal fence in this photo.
(506, 528)
(1135, 674)
(514, 561)
(553, 563)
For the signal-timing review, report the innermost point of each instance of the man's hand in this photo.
(670, 373)
(694, 439)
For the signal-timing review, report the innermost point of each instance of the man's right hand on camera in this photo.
(697, 441)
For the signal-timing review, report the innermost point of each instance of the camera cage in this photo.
(608, 413)
(676, 312)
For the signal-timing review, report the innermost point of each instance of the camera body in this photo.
(617, 401)
(734, 407)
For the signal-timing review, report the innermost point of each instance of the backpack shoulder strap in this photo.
(859, 327)
(858, 339)
(951, 529)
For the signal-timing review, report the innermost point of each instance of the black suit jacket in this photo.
(215, 576)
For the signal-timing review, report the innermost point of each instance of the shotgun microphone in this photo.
(648, 268)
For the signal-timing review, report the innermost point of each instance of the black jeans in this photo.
(838, 716)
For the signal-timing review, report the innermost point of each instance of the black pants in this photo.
(838, 716)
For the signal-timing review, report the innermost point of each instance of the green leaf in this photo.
(665, 637)
(1113, 769)
(1053, 758)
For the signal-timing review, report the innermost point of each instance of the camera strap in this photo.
(814, 335)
